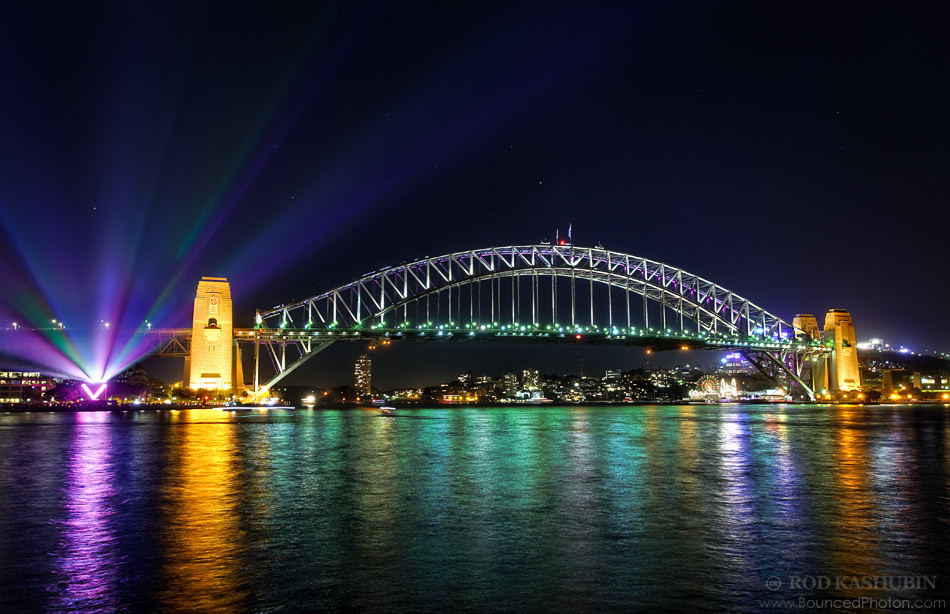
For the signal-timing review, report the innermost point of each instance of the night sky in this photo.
(796, 154)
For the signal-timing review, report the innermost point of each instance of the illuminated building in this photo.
(408, 393)
(210, 363)
(509, 385)
(734, 364)
(364, 375)
(22, 387)
(839, 371)
(728, 390)
(530, 379)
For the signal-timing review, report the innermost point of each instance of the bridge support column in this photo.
(212, 336)
(257, 363)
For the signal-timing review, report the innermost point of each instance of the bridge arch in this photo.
(383, 298)
(376, 308)
(536, 293)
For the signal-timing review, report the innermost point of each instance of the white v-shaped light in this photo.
(89, 393)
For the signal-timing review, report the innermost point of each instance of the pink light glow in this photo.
(89, 393)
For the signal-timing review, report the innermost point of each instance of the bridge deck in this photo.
(655, 341)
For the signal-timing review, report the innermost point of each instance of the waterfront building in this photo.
(408, 394)
(23, 386)
(364, 375)
(728, 390)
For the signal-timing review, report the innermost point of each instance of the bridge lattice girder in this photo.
(368, 309)
(708, 306)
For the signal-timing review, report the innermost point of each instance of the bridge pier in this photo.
(887, 383)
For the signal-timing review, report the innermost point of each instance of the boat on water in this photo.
(387, 411)
(250, 406)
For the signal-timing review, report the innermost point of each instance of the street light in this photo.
(14, 326)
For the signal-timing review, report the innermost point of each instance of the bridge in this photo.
(540, 293)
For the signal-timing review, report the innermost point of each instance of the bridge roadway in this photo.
(176, 341)
(769, 355)
(655, 340)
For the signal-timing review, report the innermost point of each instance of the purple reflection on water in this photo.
(736, 515)
(86, 563)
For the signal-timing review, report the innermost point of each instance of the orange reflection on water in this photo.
(854, 522)
(204, 541)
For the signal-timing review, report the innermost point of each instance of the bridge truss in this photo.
(169, 342)
(536, 293)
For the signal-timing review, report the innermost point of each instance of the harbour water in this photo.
(676, 508)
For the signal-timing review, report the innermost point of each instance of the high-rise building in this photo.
(509, 384)
(210, 363)
(530, 380)
(364, 375)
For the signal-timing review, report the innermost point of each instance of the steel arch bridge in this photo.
(535, 293)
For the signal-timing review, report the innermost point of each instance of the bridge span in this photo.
(535, 294)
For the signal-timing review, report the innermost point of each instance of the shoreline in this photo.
(13, 409)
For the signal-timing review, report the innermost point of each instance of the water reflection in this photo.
(204, 543)
(87, 563)
(375, 506)
(854, 532)
(573, 509)
(736, 513)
